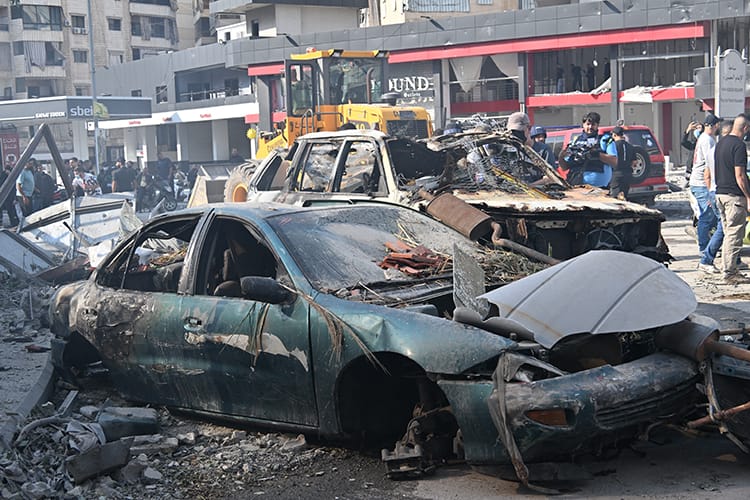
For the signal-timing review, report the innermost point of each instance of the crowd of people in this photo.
(718, 181)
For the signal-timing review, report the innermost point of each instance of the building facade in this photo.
(632, 61)
(45, 52)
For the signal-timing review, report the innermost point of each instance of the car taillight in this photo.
(556, 417)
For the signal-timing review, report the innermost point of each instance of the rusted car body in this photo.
(333, 321)
(492, 171)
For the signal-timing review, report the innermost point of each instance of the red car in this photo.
(648, 172)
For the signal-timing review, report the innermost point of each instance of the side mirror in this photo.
(264, 290)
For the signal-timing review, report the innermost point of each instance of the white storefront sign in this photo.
(729, 84)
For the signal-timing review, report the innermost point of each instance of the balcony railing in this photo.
(220, 93)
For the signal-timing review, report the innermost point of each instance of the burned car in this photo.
(351, 320)
(493, 171)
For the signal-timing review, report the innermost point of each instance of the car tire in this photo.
(642, 165)
(170, 204)
(238, 183)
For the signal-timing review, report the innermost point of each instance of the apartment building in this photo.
(636, 60)
(45, 52)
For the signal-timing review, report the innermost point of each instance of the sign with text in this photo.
(729, 84)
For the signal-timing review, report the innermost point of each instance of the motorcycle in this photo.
(157, 191)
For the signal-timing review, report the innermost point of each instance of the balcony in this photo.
(214, 97)
(147, 9)
(242, 6)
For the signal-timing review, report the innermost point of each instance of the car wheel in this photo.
(238, 183)
(641, 166)
(170, 204)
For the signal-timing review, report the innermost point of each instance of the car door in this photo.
(130, 312)
(255, 356)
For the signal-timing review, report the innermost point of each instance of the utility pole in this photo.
(93, 88)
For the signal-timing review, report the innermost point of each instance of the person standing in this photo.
(560, 79)
(45, 187)
(164, 167)
(704, 150)
(123, 178)
(235, 157)
(9, 201)
(732, 195)
(575, 71)
(25, 187)
(689, 138)
(539, 136)
(595, 168)
(622, 173)
(591, 76)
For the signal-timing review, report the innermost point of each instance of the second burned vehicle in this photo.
(492, 171)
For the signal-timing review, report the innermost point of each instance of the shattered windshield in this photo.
(474, 162)
(345, 247)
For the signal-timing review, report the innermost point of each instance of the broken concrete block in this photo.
(151, 476)
(98, 460)
(152, 445)
(294, 444)
(89, 411)
(131, 473)
(37, 490)
(186, 439)
(120, 422)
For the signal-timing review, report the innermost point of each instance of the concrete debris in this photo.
(151, 476)
(295, 443)
(120, 422)
(154, 444)
(187, 438)
(88, 411)
(98, 460)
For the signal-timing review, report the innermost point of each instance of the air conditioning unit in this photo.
(79, 31)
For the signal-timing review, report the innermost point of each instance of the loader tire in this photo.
(238, 183)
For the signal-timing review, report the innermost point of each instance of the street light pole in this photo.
(93, 88)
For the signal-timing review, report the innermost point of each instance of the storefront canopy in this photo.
(64, 109)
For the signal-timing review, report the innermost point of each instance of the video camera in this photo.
(579, 152)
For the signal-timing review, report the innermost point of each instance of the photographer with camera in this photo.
(583, 159)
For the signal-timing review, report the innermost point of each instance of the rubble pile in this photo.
(178, 458)
(24, 339)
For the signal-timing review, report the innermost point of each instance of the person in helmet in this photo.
(539, 136)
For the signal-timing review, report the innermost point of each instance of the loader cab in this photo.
(320, 83)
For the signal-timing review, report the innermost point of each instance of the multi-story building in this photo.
(629, 60)
(45, 51)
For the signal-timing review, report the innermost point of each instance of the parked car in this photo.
(332, 320)
(491, 171)
(648, 171)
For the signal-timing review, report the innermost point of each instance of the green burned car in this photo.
(348, 321)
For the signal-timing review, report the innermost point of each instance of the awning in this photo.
(186, 116)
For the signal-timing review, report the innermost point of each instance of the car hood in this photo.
(603, 291)
(577, 199)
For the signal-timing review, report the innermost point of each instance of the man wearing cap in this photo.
(595, 167)
(622, 173)
(704, 153)
(519, 125)
(539, 136)
(732, 195)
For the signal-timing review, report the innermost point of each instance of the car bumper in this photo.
(647, 191)
(608, 401)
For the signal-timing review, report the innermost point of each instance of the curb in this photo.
(39, 393)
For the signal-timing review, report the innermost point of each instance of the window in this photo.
(115, 57)
(136, 93)
(33, 91)
(320, 166)
(18, 48)
(231, 253)
(114, 24)
(361, 172)
(484, 2)
(38, 17)
(78, 22)
(166, 137)
(158, 27)
(135, 26)
(80, 56)
(255, 28)
(136, 54)
(161, 93)
(231, 86)
(82, 90)
(152, 262)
